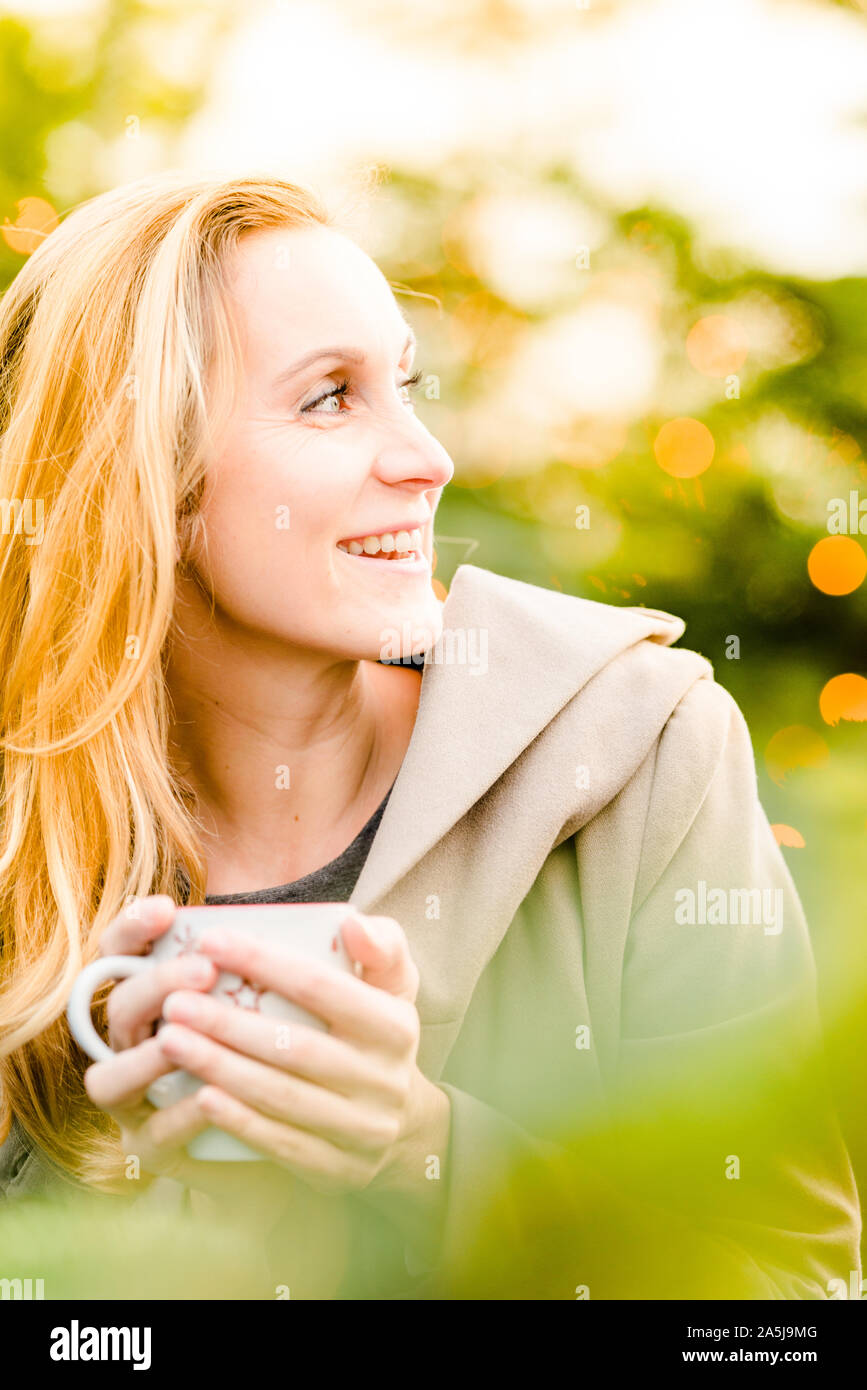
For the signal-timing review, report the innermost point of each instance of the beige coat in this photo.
(548, 811)
(571, 783)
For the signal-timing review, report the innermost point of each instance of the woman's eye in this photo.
(407, 387)
(330, 400)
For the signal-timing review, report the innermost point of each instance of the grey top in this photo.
(333, 883)
(24, 1171)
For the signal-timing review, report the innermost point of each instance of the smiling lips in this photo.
(391, 545)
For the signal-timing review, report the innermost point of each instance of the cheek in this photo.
(271, 520)
(267, 523)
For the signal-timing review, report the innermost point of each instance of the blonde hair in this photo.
(118, 362)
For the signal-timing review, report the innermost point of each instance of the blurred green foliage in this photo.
(85, 1249)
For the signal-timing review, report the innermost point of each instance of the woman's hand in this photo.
(343, 1110)
(156, 1137)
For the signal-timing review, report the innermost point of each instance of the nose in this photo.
(412, 457)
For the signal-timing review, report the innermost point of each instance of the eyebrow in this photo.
(348, 354)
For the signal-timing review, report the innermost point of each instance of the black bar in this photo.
(253, 1338)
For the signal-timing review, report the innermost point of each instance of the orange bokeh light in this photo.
(792, 747)
(684, 447)
(440, 590)
(837, 565)
(716, 345)
(789, 836)
(844, 697)
(35, 221)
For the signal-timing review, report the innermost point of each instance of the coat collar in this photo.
(526, 652)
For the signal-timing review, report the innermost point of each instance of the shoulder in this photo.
(708, 728)
(534, 609)
(15, 1156)
(514, 659)
(24, 1170)
(552, 644)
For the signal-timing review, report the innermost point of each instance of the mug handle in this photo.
(78, 1008)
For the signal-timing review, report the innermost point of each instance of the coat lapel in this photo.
(527, 651)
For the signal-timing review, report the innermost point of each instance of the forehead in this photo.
(293, 288)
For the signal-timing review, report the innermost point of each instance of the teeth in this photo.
(389, 543)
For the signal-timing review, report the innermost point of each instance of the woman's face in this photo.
(319, 511)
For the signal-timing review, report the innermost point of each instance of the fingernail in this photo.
(155, 909)
(374, 933)
(182, 1006)
(210, 1101)
(196, 971)
(174, 1041)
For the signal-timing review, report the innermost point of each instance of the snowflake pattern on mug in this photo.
(183, 937)
(245, 995)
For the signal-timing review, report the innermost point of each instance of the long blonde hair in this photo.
(118, 361)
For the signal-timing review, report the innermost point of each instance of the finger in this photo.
(348, 1004)
(142, 921)
(294, 1047)
(119, 1086)
(381, 947)
(134, 1005)
(160, 1142)
(317, 1161)
(281, 1096)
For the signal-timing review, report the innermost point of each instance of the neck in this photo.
(289, 751)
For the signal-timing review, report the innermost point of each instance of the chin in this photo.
(408, 629)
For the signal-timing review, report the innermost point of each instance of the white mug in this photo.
(310, 929)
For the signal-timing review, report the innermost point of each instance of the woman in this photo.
(207, 392)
